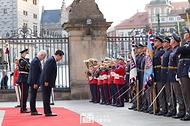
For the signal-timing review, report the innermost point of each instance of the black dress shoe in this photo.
(50, 114)
(120, 105)
(91, 101)
(52, 103)
(177, 116)
(102, 103)
(186, 117)
(96, 102)
(132, 107)
(161, 113)
(17, 106)
(36, 113)
(25, 111)
(151, 112)
(169, 114)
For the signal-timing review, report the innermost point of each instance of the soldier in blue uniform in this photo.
(157, 74)
(164, 79)
(139, 73)
(183, 67)
(133, 89)
(23, 67)
(172, 71)
(126, 95)
(145, 97)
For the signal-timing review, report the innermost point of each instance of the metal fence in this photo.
(122, 45)
(17, 43)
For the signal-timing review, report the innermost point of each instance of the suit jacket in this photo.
(49, 72)
(35, 72)
(4, 80)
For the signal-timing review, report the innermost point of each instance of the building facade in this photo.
(163, 15)
(52, 20)
(18, 13)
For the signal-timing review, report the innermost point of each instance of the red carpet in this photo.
(65, 117)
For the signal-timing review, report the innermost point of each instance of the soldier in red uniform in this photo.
(119, 81)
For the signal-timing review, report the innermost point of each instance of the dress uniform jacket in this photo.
(172, 65)
(140, 69)
(157, 64)
(119, 76)
(127, 73)
(164, 68)
(184, 61)
(23, 70)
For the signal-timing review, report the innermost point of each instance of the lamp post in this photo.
(88, 22)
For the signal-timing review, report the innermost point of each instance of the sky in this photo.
(113, 10)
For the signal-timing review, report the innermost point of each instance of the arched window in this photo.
(157, 10)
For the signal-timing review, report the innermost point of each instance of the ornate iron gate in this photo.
(23, 38)
(122, 45)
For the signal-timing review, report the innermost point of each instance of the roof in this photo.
(176, 12)
(178, 5)
(139, 19)
(49, 16)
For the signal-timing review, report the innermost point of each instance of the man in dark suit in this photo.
(4, 81)
(23, 67)
(33, 80)
(47, 79)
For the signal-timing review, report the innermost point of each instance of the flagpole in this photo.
(187, 19)
(179, 33)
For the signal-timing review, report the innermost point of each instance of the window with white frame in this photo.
(163, 19)
(25, 24)
(157, 11)
(35, 2)
(35, 16)
(178, 18)
(5, 11)
(25, 13)
(171, 18)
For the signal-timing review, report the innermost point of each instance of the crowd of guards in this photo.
(169, 90)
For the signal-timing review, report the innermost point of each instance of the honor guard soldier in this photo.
(157, 73)
(172, 71)
(139, 73)
(145, 97)
(119, 81)
(164, 79)
(126, 95)
(183, 69)
(23, 67)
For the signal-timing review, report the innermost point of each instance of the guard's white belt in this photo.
(23, 72)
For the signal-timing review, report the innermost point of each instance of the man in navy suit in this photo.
(4, 81)
(33, 80)
(48, 77)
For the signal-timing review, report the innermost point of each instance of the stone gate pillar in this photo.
(87, 39)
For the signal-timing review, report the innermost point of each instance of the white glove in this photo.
(189, 74)
(177, 79)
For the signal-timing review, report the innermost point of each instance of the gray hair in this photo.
(42, 52)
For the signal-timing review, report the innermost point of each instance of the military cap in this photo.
(186, 30)
(136, 46)
(166, 39)
(121, 58)
(176, 37)
(140, 45)
(25, 50)
(158, 38)
(145, 44)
